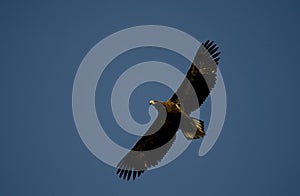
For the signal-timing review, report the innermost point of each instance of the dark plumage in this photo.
(174, 114)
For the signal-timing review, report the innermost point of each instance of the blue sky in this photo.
(43, 44)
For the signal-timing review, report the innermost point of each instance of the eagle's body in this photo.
(173, 115)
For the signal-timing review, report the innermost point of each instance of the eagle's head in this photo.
(157, 104)
(161, 109)
(153, 102)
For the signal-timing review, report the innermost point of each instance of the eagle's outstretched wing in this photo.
(149, 149)
(200, 78)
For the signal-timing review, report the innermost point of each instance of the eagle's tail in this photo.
(195, 124)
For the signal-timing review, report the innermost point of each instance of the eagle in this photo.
(173, 115)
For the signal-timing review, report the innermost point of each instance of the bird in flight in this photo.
(173, 115)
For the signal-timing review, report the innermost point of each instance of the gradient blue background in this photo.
(42, 45)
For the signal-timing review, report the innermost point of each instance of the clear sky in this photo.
(43, 43)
